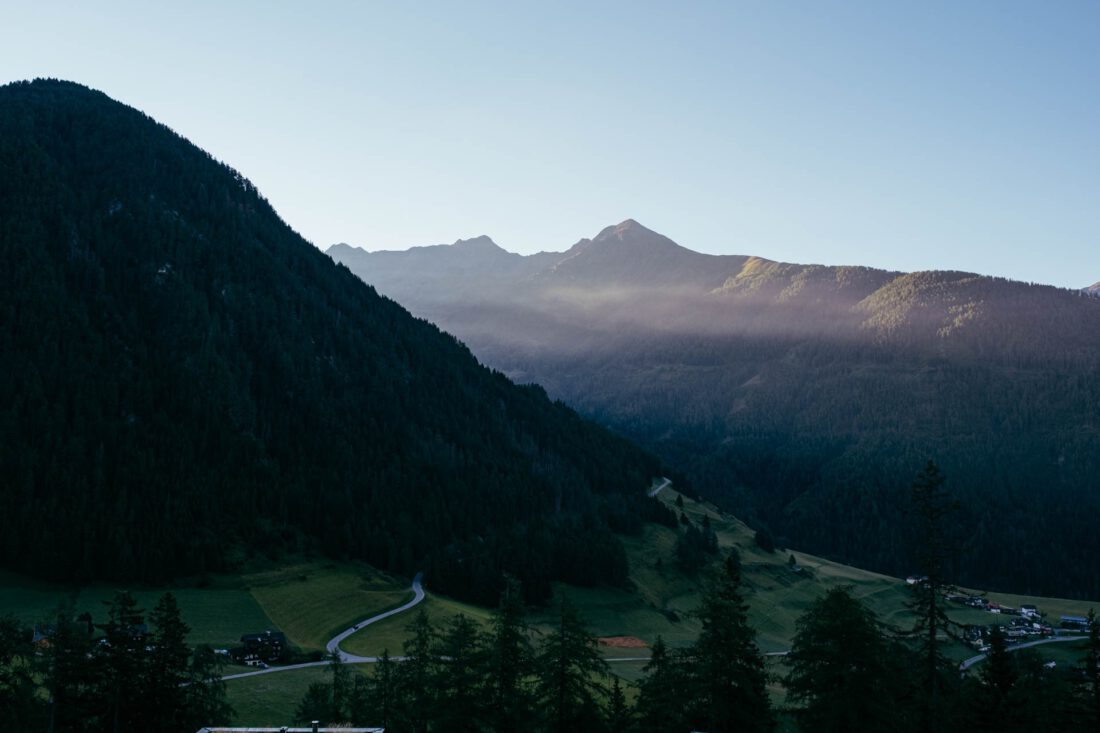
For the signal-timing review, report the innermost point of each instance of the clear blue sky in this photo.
(905, 135)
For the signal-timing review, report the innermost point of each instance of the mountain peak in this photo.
(1094, 288)
(624, 230)
(481, 243)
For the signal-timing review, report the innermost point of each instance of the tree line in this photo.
(133, 672)
(846, 669)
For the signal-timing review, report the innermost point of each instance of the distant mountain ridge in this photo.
(628, 263)
(802, 397)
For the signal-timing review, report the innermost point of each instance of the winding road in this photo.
(333, 645)
(659, 487)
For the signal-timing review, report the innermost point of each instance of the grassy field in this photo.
(312, 604)
(271, 699)
(309, 602)
(217, 615)
(777, 595)
(390, 633)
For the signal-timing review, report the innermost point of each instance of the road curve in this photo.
(967, 664)
(657, 489)
(333, 645)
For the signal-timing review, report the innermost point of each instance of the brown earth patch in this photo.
(622, 642)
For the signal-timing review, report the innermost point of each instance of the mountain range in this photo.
(187, 383)
(804, 397)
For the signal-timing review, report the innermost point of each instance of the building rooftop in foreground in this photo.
(222, 729)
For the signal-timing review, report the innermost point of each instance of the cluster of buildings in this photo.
(1024, 623)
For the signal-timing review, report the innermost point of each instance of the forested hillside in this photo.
(801, 396)
(186, 381)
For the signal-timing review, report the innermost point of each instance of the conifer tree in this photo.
(620, 718)
(570, 670)
(20, 705)
(121, 666)
(341, 688)
(168, 662)
(376, 699)
(416, 675)
(1091, 678)
(931, 506)
(206, 695)
(661, 695)
(510, 664)
(316, 704)
(838, 667)
(459, 685)
(69, 679)
(727, 684)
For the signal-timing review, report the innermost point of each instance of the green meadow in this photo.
(312, 601)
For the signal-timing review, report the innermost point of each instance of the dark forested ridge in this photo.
(798, 396)
(185, 380)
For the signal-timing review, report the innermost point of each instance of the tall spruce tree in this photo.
(376, 700)
(460, 684)
(511, 663)
(121, 667)
(168, 665)
(727, 684)
(571, 671)
(998, 676)
(1090, 686)
(620, 718)
(316, 704)
(661, 693)
(931, 505)
(21, 707)
(206, 694)
(416, 675)
(839, 673)
(70, 680)
(341, 685)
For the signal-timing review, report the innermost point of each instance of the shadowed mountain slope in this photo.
(186, 382)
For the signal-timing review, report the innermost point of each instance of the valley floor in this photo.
(314, 602)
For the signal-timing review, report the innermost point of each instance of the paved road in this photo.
(657, 489)
(967, 664)
(333, 646)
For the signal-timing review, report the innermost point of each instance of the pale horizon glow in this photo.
(962, 136)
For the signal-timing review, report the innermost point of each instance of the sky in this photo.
(901, 135)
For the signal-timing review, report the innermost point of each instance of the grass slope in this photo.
(312, 604)
(778, 596)
(272, 699)
(390, 633)
(309, 602)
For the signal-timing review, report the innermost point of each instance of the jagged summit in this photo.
(632, 233)
(481, 242)
(625, 228)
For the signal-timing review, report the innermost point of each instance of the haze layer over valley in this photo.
(803, 396)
